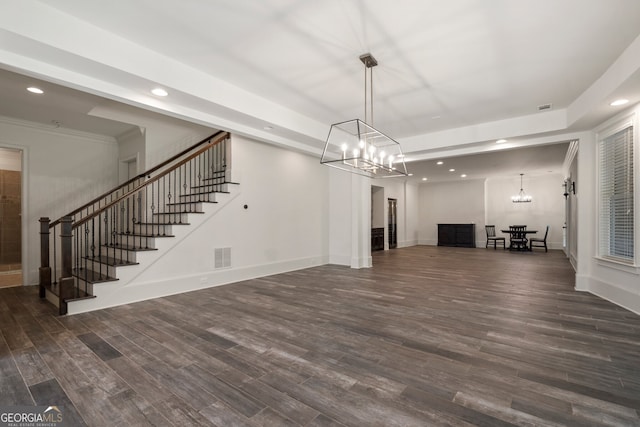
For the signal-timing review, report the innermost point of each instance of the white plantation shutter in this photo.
(616, 196)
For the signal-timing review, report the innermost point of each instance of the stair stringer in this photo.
(128, 288)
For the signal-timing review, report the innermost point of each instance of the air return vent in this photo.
(222, 258)
(544, 107)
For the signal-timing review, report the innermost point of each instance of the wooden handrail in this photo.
(142, 175)
(214, 140)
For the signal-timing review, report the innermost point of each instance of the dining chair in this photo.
(537, 242)
(517, 237)
(491, 236)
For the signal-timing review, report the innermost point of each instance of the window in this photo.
(616, 201)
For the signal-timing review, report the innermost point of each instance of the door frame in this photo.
(24, 213)
(391, 200)
(123, 167)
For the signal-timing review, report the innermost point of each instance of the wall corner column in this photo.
(360, 222)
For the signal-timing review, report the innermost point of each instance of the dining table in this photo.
(525, 232)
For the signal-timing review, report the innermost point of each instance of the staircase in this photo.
(114, 235)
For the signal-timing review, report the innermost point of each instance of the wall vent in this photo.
(544, 107)
(222, 258)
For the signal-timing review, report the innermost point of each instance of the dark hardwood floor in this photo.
(429, 336)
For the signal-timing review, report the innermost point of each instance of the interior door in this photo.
(392, 223)
(10, 217)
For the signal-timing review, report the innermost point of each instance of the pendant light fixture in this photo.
(522, 197)
(357, 147)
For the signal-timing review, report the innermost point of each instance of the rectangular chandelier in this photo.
(357, 147)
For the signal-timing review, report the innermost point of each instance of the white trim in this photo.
(618, 265)
(361, 262)
(611, 293)
(572, 152)
(123, 166)
(113, 295)
(58, 130)
(24, 207)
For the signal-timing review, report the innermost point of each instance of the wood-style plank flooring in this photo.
(427, 337)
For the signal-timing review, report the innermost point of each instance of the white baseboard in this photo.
(428, 242)
(609, 292)
(407, 243)
(340, 260)
(115, 293)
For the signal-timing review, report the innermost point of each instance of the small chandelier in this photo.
(521, 197)
(357, 147)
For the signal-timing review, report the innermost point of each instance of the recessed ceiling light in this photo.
(464, 175)
(501, 141)
(424, 179)
(452, 170)
(618, 102)
(34, 89)
(440, 162)
(410, 174)
(159, 92)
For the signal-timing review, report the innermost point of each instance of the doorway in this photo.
(393, 223)
(128, 169)
(10, 217)
(377, 218)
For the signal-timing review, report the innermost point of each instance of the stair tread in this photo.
(79, 294)
(178, 213)
(112, 261)
(205, 192)
(129, 248)
(199, 193)
(162, 223)
(91, 276)
(189, 203)
(144, 235)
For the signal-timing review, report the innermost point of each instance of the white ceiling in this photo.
(59, 106)
(450, 74)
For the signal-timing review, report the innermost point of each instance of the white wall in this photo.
(412, 215)
(339, 216)
(378, 207)
(572, 215)
(62, 170)
(131, 145)
(407, 210)
(615, 282)
(284, 227)
(459, 202)
(286, 222)
(546, 207)
(164, 136)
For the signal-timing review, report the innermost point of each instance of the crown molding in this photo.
(58, 130)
